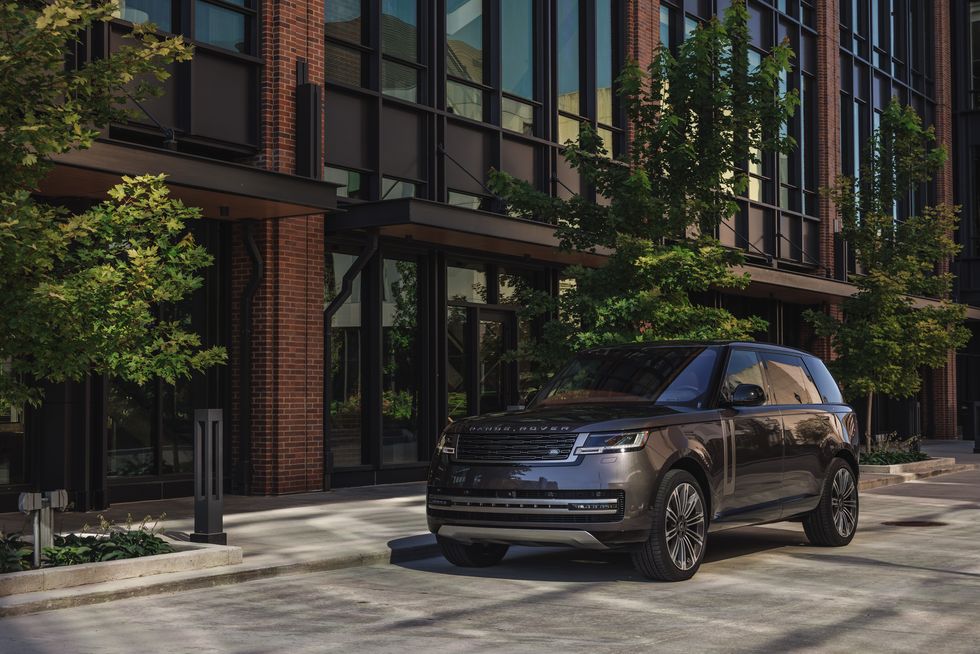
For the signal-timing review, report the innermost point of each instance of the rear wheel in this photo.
(477, 555)
(675, 548)
(834, 521)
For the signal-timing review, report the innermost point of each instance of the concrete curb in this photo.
(187, 557)
(871, 480)
(422, 547)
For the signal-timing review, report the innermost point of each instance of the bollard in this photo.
(208, 478)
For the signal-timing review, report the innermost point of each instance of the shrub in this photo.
(15, 553)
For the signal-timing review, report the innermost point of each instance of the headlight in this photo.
(446, 444)
(622, 441)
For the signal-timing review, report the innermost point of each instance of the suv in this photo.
(651, 447)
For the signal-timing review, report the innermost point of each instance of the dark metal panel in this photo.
(347, 118)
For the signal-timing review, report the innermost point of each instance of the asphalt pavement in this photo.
(910, 586)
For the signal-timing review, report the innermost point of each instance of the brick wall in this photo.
(287, 314)
(943, 400)
(642, 36)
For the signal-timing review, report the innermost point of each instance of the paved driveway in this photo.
(894, 589)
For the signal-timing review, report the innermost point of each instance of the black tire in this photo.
(477, 555)
(656, 559)
(834, 522)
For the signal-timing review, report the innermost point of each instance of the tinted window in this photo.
(791, 384)
(829, 391)
(744, 367)
(675, 375)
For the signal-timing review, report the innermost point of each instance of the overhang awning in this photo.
(812, 289)
(222, 190)
(435, 222)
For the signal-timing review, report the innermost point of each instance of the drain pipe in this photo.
(245, 369)
(346, 286)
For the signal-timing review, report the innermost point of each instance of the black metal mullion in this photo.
(372, 352)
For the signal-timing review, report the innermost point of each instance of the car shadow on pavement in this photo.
(559, 564)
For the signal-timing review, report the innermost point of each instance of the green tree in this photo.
(885, 340)
(698, 118)
(96, 290)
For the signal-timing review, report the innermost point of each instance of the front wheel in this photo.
(834, 521)
(675, 548)
(476, 555)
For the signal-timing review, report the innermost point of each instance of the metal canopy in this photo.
(221, 189)
(435, 222)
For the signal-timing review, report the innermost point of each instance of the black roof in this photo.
(759, 345)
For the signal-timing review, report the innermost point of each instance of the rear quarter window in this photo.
(829, 390)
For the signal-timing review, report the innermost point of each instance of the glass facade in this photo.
(439, 113)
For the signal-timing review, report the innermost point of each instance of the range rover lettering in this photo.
(651, 447)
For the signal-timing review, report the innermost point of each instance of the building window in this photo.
(344, 28)
(569, 62)
(150, 428)
(345, 362)
(14, 462)
(344, 20)
(158, 12)
(392, 189)
(401, 382)
(399, 81)
(399, 43)
(223, 25)
(605, 62)
(350, 182)
(517, 48)
(975, 54)
(666, 37)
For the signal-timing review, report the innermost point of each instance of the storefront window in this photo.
(131, 418)
(13, 447)
(345, 363)
(400, 395)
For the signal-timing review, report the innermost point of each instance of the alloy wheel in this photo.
(685, 526)
(843, 502)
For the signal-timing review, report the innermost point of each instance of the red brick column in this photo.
(944, 379)
(286, 367)
(642, 37)
(822, 346)
(829, 166)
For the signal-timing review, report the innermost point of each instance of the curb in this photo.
(37, 602)
(872, 480)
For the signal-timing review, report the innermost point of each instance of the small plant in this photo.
(15, 553)
(889, 450)
(109, 543)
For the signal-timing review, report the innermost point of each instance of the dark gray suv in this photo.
(651, 447)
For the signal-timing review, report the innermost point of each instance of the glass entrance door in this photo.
(479, 378)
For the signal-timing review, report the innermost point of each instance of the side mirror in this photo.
(748, 395)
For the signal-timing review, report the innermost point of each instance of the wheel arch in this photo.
(690, 464)
(851, 460)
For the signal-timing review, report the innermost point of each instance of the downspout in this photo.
(346, 286)
(245, 369)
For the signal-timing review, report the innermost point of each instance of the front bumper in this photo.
(595, 501)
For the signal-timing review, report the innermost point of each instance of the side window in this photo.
(828, 388)
(791, 384)
(743, 367)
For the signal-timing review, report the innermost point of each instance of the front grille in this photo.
(515, 447)
(565, 506)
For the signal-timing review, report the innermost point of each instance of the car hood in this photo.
(591, 417)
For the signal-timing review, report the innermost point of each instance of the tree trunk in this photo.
(867, 423)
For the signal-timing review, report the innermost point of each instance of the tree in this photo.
(885, 340)
(697, 120)
(95, 290)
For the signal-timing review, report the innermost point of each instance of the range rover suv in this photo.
(650, 447)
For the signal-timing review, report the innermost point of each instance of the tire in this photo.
(678, 557)
(834, 521)
(477, 555)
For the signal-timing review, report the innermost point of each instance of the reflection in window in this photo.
(131, 417)
(604, 62)
(568, 129)
(511, 284)
(400, 396)
(464, 100)
(349, 180)
(399, 81)
(517, 116)
(457, 367)
(399, 29)
(343, 20)
(345, 362)
(392, 189)
(466, 284)
(665, 38)
(517, 47)
(14, 465)
(177, 420)
(975, 53)
(158, 12)
(464, 39)
(342, 64)
(220, 27)
(569, 77)
(468, 200)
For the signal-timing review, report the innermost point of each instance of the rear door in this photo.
(757, 445)
(806, 425)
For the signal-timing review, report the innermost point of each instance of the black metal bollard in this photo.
(208, 478)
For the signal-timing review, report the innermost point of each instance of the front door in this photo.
(758, 446)
(479, 377)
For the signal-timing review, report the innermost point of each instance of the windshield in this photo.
(661, 375)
